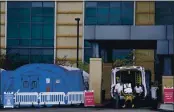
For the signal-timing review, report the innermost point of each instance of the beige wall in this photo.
(145, 13)
(146, 59)
(106, 74)
(66, 30)
(2, 25)
(95, 78)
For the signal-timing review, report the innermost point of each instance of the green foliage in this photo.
(84, 66)
(64, 62)
(127, 61)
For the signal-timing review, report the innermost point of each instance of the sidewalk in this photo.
(166, 107)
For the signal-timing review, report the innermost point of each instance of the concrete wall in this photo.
(66, 29)
(95, 78)
(163, 34)
(2, 27)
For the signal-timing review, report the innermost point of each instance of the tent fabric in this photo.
(85, 74)
(62, 80)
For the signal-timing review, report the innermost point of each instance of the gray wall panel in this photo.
(162, 47)
(170, 32)
(171, 47)
(113, 32)
(89, 32)
(148, 32)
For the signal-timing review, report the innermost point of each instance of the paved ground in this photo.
(76, 110)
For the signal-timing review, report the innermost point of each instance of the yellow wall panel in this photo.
(2, 6)
(152, 7)
(2, 18)
(68, 42)
(152, 19)
(2, 42)
(144, 55)
(69, 18)
(2, 30)
(142, 6)
(69, 53)
(70, 6)
(145, 13)
(142, 19)
(68, 30)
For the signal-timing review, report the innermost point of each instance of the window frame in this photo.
(24, 84)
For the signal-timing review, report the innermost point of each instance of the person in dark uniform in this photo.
(138, 91)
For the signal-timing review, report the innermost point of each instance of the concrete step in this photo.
(166, 107)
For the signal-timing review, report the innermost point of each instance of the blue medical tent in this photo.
(42, 78)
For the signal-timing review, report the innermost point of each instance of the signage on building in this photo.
(8, 100)
(47, 80)
(57, 81)
(168, 95)
(89, 98)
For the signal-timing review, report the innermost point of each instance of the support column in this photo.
(95, 78)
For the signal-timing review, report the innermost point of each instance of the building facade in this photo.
(45, 31)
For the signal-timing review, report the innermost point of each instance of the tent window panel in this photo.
(25, 84)
(34, 84)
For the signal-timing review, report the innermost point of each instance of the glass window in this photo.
(13, 11)
(167, 68)
(103, 12)
(34, 84)
(87, 44)
(102, 15)
(36, 4)
(90, 4)
(24, 14)
(24, 51)
(12, 42)
(36, 11)
(36, 58)
(127, 13)
(48, 58)
(48, 51)
(36, 43)
(49, 19)
(103, 20)
(48, 4)
(13, 18)
(36, 51)
(164, 13)
(25, 84)
(115, 4)
(88, 53)
(38, 19)
(91, 21)
(90, 12)
(18, 4)
(48, 31)
(48, 11)
(24, 58)
(13, 30)
(115, 16)
(36, 31)
(12, 51)
(24, 30)
(48, 43)
(25, 42)
(103, 4)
